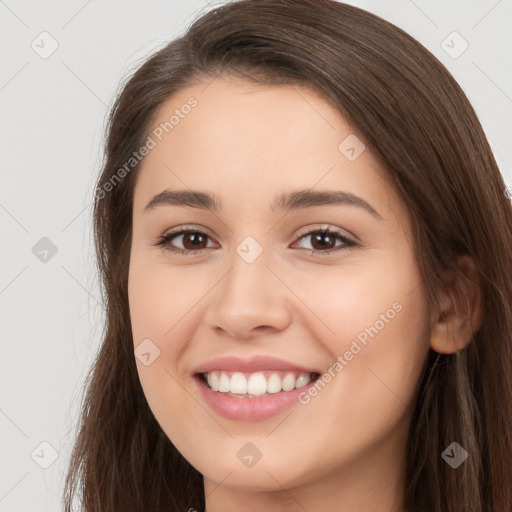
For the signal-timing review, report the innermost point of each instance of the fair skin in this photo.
(245, 144)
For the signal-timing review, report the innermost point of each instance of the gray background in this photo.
(53, 110)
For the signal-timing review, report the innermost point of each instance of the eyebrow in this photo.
(296, 200)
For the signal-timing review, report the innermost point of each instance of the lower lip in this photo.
(249, 409)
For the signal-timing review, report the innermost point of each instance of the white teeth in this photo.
(274, 384)
(288, 382)
(302, 380)
(238, 383)
(256, 384)
(213, 381)
(224, 383)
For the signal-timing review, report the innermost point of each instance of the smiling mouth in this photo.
(255, 384)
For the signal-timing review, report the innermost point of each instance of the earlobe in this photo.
(461, 310)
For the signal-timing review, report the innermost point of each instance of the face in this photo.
(272, 289)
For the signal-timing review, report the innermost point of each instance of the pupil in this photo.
(194, 236)
(319, 237)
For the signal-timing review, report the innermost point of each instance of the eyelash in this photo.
(165, 240)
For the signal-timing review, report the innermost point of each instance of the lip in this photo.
(253, 364)
(249, 409)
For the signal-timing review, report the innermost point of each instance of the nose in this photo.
(250, 300)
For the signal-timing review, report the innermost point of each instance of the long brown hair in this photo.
(418, 121)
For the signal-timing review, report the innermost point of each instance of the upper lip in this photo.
(252, 364)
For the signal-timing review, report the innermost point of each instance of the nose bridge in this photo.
(249, 296)
(249, 269)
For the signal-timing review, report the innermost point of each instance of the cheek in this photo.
(157, 304)
(375, 318)
(382, 334)
(379, 299)
(158, 299)
(161, 302)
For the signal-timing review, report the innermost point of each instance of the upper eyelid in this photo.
(325, 227)
(303, 232)
(316, 226)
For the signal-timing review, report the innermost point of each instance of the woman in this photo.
(305, 248)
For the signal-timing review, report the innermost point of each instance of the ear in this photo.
(461, 314)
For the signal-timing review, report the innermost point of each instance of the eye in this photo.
(193, 242)
(323, 240)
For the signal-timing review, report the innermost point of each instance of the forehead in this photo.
(243, 140)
